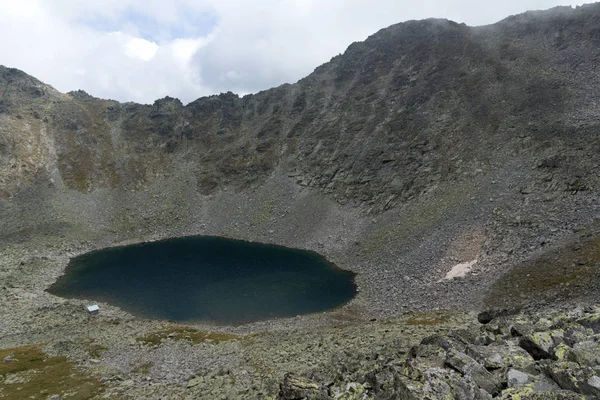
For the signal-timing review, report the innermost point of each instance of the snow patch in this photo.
(459, 270)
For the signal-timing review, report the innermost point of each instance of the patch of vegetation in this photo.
(564, 271)
(94, 349)
(143, 368)
(351, 313)
(427, 318)
(185, 333)
(30, 374)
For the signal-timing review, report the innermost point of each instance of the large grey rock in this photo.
(414, 368)
(487, 316)
(543, 345)
(571, 376)
(445, 342)
(586, 353)
(442, 384)
(295, 387)
(353, 391)
(521, 329)
(388, 385)
(436, 384)
(528, 393)
(470, 368)
(517, 378)
(428, 351)
(591, 321)
(500, 356)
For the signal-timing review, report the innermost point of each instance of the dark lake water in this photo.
(207, 279)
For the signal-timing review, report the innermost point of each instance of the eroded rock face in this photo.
(383, 123)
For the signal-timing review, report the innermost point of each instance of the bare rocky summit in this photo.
(429, 145)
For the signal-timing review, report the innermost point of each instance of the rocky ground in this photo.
(537, 354)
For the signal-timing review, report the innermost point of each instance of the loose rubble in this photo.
(524, 356)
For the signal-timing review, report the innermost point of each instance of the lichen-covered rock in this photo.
(443, 384)
(544, 345)
(470, 368)
(586, 353)
(388, 385)
(447, 342)
(573, 332)
(571, 376)
(591, 321)
(521, 330)
(295, 387)
(500, 356)
(421, 358)
(354, 391)
(414, 368)
(464, 337)
(455, 366)
(528, 392)
(432, 352)
(517, 378)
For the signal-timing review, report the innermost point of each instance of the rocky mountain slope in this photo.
(429, 145)
(474, 143)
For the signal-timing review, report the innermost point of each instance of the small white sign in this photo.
(93, 309)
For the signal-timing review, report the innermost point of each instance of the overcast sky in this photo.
(142, 50)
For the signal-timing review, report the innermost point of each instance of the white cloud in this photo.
(141, 50)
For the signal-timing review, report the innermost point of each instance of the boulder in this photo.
(573, 332)
(442, 384)
(527, 392)
(500, 356)
(586, 353)
(485, 317)
(295, 387)
(543, 345)
(463, 336)
(571, 376)
(428, 351)
(414, 368)
(354, 391)
(470, 368)
(591, 321)
(388, 385)
(519, 330)
(445, 342)
(516, 378)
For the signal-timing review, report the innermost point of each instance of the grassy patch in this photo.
(185, 333)
(427, 319)
(349, 314)
(566, 271)
(33, 375)
(95, 350)
(143, 368)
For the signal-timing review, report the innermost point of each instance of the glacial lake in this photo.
(207, 279)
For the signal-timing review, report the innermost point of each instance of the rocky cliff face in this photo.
(429, 144)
